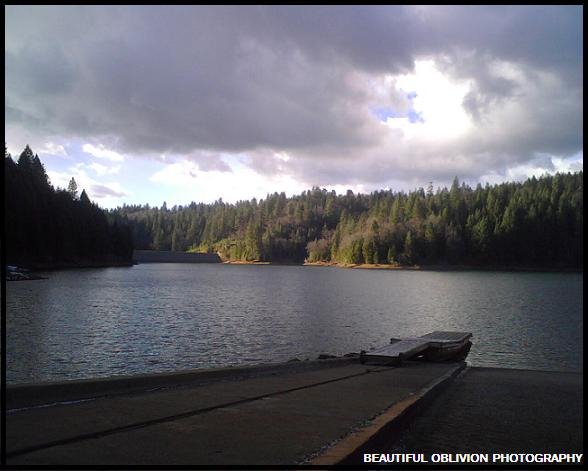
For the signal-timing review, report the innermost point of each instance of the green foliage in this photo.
(319, 250)
(391, 257)
(535, 223)
(409, 253)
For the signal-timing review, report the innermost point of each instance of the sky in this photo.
(146, 104)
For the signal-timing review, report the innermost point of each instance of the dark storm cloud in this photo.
(258, 80)
(178, 78)
(544, 37)
(42, 68)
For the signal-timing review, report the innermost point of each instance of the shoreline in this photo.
(382, 266)
(385, 266)
(362, 266)
(245, 262)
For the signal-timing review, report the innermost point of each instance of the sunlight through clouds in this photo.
(185, 182)
(437, 99)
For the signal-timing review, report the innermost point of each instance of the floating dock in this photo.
(436, 346)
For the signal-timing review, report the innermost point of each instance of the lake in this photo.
(166, 317)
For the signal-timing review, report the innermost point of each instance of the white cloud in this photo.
(102, 170)
(342, 189)
(106, 194)
(102, 152)
(573, 164)
(52, 148)
(180, 173)
(192, 184)
(542, 165)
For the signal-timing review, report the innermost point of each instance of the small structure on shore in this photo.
(435, 346)
(167, 256)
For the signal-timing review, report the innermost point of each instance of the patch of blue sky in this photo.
(58, 163)
(383, 113)
(137, 181)
(415, 117)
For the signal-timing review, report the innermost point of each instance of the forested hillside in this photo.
(49, 228)
(538, 223)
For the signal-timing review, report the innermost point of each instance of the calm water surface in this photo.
(167, 317)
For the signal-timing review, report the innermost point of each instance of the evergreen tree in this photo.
(538, 223)
(72, 189)
(84, 200)
(46, 227)
(409, 249)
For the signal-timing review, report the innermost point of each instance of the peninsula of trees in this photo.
(538, 223)
(54, 228)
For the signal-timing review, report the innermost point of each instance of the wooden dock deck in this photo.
(404, 349)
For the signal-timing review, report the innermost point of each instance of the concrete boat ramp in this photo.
(311, 412)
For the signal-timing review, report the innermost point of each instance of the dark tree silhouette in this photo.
(47, 227)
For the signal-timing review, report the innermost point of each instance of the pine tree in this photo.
(47, 227)
(391, 258)
(72, 189)
(39, 174)
(409, 248)
(26, 159)
(84, 198)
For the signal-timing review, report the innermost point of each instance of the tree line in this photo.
(47, 227)
(536, 223)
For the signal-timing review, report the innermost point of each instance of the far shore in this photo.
(245, 262)
(371, 266)
(39, 267)
(385, 266)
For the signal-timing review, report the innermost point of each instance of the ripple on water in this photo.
(92, 323)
